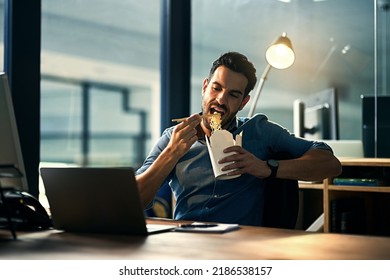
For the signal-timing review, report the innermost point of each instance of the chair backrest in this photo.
(281, 200)
(281, 203)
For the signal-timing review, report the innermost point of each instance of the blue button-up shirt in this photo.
(199, 196)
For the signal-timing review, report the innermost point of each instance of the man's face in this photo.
(224, 94)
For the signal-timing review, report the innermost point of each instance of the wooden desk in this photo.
(248, 243)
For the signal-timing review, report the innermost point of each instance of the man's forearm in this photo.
(315, 165)
(150, 181)
(183, 137)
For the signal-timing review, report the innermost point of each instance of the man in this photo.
(181, 158)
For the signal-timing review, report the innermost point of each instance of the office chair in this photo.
(281, 203)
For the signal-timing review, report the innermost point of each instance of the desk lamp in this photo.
(8, 171)
(279, 55)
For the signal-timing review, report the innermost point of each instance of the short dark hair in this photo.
(238, 63)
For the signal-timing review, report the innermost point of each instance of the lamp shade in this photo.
(280, 54)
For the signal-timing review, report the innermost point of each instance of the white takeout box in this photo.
(218, 141)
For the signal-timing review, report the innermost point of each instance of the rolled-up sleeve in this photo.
(156, 150)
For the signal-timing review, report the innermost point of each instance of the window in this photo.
(99, 81)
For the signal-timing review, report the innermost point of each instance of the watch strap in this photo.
(273, 165)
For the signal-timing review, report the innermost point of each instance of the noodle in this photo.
(215, 122)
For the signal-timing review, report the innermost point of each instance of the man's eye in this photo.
(217, 89)
(235, 95)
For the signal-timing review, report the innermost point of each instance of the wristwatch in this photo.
(274, 165)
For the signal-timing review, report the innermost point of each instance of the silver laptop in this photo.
(96, 200)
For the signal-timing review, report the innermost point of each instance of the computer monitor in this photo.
(10, 150)
(316, 117)
(376, 126)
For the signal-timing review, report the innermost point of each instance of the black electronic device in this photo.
(24, 210)
(316, 116)
(376, 126)
(10, 148)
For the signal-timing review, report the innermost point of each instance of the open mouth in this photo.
(217, 110)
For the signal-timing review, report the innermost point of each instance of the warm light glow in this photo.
(280, 54)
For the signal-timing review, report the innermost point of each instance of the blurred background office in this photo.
(101, 66)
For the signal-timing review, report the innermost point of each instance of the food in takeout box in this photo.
(216, 143)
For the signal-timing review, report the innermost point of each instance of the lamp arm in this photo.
(258, 90)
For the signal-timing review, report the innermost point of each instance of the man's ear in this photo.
(205, 84)
(244, 101)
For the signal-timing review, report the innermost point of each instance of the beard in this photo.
(227, 117)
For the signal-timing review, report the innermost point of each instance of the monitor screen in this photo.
(316, 117)
(376, 130)
(10, 150)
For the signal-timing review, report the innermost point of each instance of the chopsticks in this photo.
(179, 120)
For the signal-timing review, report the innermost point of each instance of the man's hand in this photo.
(244, 162)
(184, 136)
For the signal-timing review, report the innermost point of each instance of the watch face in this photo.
(273, 163)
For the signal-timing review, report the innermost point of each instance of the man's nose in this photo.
(221, 97)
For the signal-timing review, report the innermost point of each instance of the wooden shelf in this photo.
(376, 198)
(311, 186)
(375, 209)
(381, 162)
(385, 189)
